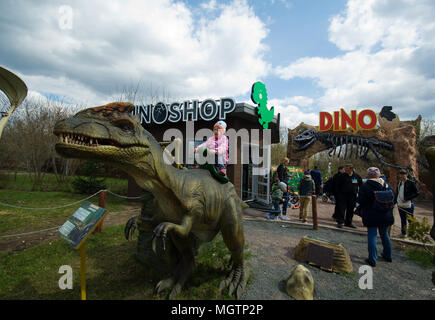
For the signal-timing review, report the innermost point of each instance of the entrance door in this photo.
(256, 178)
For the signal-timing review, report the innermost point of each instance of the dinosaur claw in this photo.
(164, 284)
(236, 281)
(175, 290)
(153, 243)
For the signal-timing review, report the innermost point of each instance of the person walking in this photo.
(306, 190)
(406, 192)
(283, 176)
(334, 190)
(376, 199)
(347, 189)
(316, 175)
(278, 189)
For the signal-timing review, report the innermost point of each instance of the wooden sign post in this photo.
(76, 231)
(314, 208)
(83, 270)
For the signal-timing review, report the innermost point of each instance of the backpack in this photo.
(384, 200)
(277, 194)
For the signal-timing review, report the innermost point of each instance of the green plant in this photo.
(419, 231)
(91, 182)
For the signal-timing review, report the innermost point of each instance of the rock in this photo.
(341, 260)
(300, 284)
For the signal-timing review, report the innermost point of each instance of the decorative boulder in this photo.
(300, 284)
(340, 258)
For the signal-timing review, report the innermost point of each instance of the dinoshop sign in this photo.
(186, 111)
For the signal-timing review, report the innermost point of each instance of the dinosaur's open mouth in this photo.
(82, 140)
(305, 143)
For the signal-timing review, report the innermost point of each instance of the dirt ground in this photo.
(23, 242)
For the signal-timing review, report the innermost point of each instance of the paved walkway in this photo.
(325, 211)
(272, 247)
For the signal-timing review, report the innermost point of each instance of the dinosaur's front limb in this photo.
(181, 230)
(185, 243)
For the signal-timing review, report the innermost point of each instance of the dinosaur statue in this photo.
(187, 206)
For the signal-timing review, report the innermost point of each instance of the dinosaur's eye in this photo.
(124, 123)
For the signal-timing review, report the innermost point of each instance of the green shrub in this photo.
(419, 231)
(91, 182)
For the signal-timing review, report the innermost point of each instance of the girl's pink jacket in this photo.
(222, 146)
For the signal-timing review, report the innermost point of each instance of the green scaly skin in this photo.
(188, 204)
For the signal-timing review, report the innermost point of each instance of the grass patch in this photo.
(112, 271)
(16, 220)
(22, 182)
(422, 256)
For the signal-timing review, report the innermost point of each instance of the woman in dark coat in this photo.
(375, 219)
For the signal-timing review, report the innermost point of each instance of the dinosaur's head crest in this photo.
(107, 133)
(305, 139)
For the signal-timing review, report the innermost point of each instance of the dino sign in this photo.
(259, 96)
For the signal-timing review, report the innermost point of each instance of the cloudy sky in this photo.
(312, 55)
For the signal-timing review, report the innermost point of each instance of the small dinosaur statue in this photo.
(187, 205)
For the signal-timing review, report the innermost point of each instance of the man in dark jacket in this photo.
(406, 191)
(335, 190)
(347, 189)
(283, 176)
(375, 219)
(317, 178)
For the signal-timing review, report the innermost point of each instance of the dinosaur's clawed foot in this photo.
(160, 232)
(169, 283)
(236, 281)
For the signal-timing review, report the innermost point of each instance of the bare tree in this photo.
(28, 142)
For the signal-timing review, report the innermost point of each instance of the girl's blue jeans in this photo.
(372, 233)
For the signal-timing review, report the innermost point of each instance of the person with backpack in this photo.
(278, 189)
(406, 192)
(306, 190)
(376, 199)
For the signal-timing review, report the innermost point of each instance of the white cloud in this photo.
(291, 114)
(187, 51)
(389, 48)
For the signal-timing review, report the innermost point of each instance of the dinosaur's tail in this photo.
(243, 204)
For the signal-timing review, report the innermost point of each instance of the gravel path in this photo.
(272, 246)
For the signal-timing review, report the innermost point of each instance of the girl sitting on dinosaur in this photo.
(218, 145)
